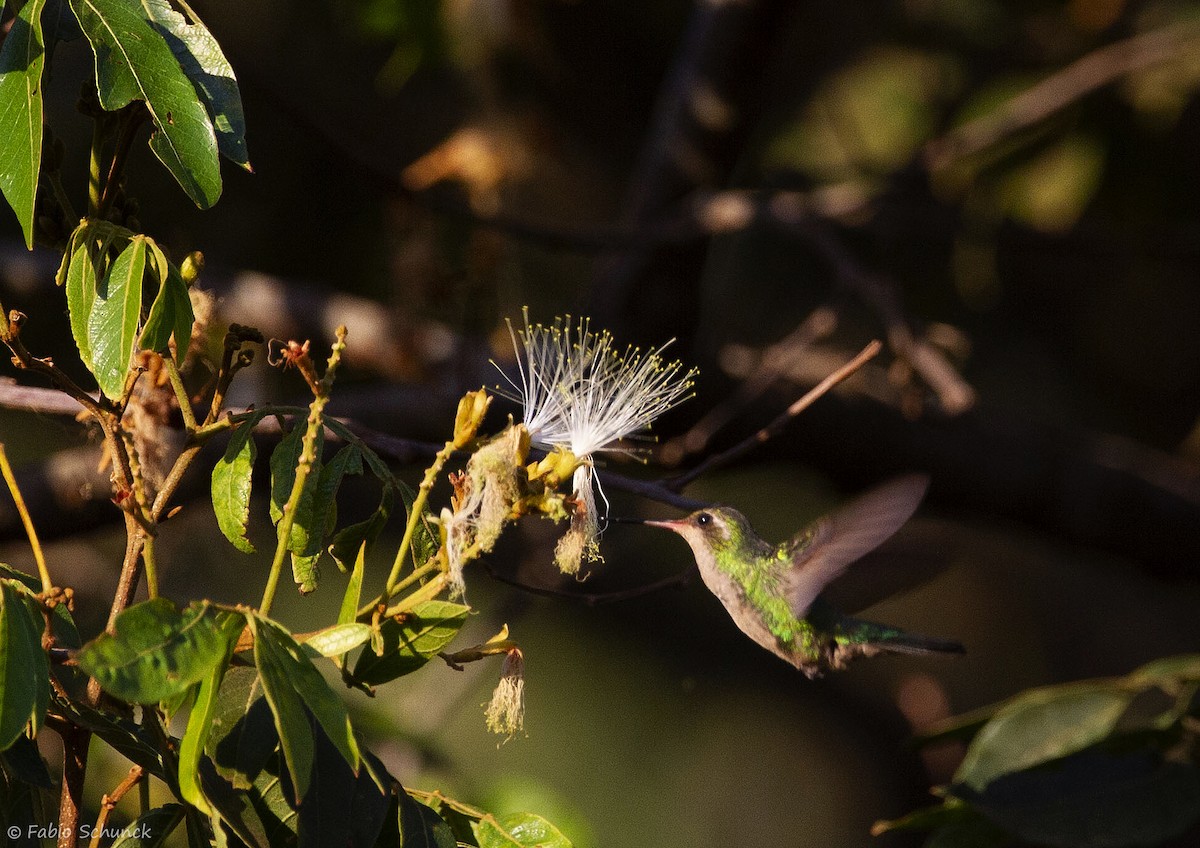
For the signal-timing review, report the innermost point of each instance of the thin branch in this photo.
(1059, 90)
(27, 520)
(110, 801)
(595, 599)
(780, 422)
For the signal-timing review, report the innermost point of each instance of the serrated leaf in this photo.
(171, 314)
(210, 72)
(151, 829)
(294, 688)
(133, 62)
(519, 830)
(338, 639)
(232, 482)
(420, 826)
(24, 669)
(22, 60)
(410, 644)
(116, 314)
(1042, 725)
(156, 650)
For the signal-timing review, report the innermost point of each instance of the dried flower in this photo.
(505, 714)
(579, 392)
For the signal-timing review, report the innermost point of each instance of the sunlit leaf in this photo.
(157, 651)
(22, 59)
(171, 314)
(338, 639)
(116, 314)
(410, 644)
(210, 72)
(232, 479)
(133, 62)
(526, 830)
(200, 721)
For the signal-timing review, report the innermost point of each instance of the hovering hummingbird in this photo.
(772, 592)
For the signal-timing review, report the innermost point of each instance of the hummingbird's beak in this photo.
(672, 525)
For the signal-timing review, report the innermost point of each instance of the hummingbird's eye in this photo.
(704, 519)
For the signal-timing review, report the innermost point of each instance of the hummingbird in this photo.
(773, 592)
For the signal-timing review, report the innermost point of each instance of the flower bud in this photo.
(191, 267)
(471, 410)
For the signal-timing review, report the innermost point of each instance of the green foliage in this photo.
(22, 59)
(24, 671)
(133, 62)
(1095, 764)
(410, 643)
(157, 824)
(156, 651)
(231, 485)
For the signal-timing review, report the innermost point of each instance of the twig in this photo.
(780, 422)
(1059, 90)
(27, 520)
(595, 599)
(110, 801)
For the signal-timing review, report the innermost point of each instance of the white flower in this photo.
(579, 392)
(505, 714)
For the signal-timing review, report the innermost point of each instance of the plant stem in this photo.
(426, 593)
(308, 455)
(111, 799)
(148, 560)
(181, 395)
(75, 752)
(415, 513)
(26, 519)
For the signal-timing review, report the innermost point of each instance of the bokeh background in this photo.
(1006, 193)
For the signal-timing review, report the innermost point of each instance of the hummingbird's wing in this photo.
(823, 550)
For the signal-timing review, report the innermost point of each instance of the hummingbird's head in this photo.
(713, 529)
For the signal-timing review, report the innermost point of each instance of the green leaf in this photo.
(171, 313)
(232, 479)
(519, 829)
(151, 829)
(420, 826)
(116, 314)
(349, 541)
(133, 62)
(1041, 725)
(410, 644)
(284, 459)
(199, 725)
(22, 59)
(23, 760)
(87, 265)
(294, 688)
(210, 72)
(339, 639)
(344, 808)
(1163, 672)
(24, 669)
(353, 594)
(1095, 799)
(64, 622)
(157, 651)
(243, 737)
(317, 516)
(131, 740)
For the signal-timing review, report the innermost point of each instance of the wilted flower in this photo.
(579, 392)
(505, 713)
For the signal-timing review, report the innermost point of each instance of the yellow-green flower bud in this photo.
(471, 410)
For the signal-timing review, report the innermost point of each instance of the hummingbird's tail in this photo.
(900, 642)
